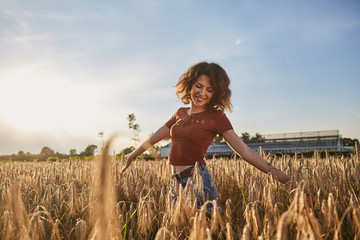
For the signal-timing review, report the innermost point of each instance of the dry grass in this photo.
(92, 200)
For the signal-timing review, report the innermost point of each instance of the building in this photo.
(283, 142)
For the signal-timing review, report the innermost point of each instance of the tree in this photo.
(257, 138)
(127, 150)
(245, 136)
(89, 151)
(155, 152)
(135, 127)
(72, 152)
(45, 153)
(350, 142)
(21, 156)
(101, 136)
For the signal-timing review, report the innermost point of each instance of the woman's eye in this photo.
(210, 90)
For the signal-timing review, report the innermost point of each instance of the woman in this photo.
(206, 87)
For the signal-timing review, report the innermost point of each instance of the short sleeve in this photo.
(172, 120)
(223, 123)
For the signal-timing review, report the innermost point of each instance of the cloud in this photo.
(16, 23)
(356, 114)
(30, 38)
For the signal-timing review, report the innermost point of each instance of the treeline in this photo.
(246, 137)
(152, 153)
(350, 142)
(47, 154)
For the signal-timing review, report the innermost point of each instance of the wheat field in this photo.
(92, 200)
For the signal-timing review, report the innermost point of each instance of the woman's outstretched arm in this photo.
(237, 144)
(159, 135)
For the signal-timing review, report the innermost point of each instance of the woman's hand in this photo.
(252, 157)
(281, 177)
(160, 134)
(129, 159)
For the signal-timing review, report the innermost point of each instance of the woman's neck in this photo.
(193, 110)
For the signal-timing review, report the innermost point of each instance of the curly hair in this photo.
(218, 78)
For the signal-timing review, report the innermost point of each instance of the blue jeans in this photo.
(209, 188)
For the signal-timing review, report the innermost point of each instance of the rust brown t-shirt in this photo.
(191, 135)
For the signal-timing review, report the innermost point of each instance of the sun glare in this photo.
(41, 101)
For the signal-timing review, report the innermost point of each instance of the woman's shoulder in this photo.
(183, 109)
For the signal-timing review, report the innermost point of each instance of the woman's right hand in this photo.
(128, 158)
(160, 134)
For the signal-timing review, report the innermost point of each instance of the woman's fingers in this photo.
(128, 162)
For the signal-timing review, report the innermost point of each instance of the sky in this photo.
(72, 69)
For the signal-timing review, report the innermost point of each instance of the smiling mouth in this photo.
(200, 98)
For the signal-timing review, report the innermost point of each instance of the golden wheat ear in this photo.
(104, 215)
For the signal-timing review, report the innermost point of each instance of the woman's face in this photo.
(201, 92)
